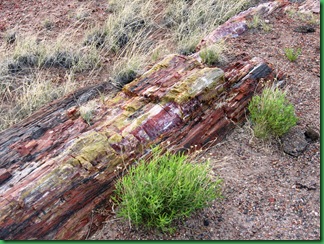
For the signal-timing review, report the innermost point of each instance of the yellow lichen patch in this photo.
(115, 138)
(96, 147)
(85, 163)
(198, 83)
(134, 104)
(121, 121)
(117, 99)
(52, 180)
(74, 162)
(163, 64)
(94, 151)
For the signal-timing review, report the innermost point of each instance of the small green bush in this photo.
(167, 188)
(209, 56)
(292, 54)
(213, 54)
(271, 113)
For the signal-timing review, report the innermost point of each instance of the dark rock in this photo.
(294, 142)
(304, 29)
(125, 77)
(206, 222)
(97, 39)
(309, 188)
(4, 175)
(11, 38)
(61, 59)
(311, 135)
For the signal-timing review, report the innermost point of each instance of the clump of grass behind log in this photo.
(212, 55)
(30, 54)
(191, 19)
(127, 69)
(33, 92)
(166, 188)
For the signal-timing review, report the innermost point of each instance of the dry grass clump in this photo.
(189, 21)
(33, 91)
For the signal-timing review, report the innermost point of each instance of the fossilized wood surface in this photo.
(54, 177)
(54, 115)
(56, 170)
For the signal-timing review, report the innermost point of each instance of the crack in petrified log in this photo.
(56, 170)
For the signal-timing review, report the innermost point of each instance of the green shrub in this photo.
(167, 188)
(271, 113)
(213, 54)
(292, 54)
(257, 22)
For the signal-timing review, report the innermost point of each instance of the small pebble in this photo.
(206, 222)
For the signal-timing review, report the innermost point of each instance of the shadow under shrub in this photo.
(167, 188)
(271, 114)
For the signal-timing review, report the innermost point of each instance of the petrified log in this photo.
(56, 172)
(238, 24)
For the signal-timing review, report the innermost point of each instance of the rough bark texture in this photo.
(56, 170)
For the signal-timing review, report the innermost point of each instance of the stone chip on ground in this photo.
(294, 142)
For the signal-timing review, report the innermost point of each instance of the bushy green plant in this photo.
(258, 23)
(209, 56)
(212, 55)
(292, 54)
(167, 188)
(271, 113)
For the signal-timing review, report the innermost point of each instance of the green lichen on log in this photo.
(198, 83)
